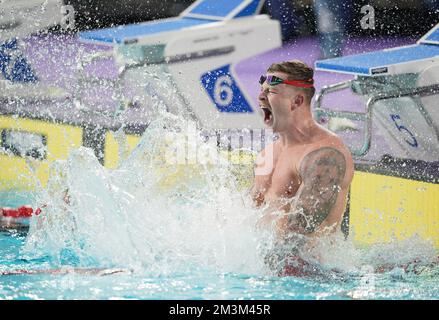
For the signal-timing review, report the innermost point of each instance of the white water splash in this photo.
(164, 217)
(337, 253)
(148, 213)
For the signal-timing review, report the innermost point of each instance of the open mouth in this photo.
(268, 115)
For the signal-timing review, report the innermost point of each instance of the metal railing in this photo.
(367, 115)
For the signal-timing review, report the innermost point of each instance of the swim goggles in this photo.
(273, 81)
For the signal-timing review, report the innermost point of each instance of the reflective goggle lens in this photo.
(273, 80)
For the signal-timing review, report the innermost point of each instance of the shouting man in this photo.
(304, 191)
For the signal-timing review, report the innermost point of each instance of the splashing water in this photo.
(162, 212)
(162, 216)
(190, 225)
(150, 213)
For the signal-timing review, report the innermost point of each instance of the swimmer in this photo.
(302, 179)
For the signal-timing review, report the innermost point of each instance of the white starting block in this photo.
(400, 87)
(189, 60)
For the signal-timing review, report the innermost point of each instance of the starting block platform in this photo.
(399, 87)
(389, 61)
(195, 55)
(200, 13)
(393, 196)
(185, 65)
(432, 37)
(135, 33)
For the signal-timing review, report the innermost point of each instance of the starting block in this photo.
(189, 60)
(182, 65)
(393, 196)
(399, 87)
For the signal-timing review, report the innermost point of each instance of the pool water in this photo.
(199, 284)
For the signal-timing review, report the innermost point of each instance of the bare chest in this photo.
(283, 181)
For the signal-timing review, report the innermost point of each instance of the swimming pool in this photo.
(199, 284)
(179, 240)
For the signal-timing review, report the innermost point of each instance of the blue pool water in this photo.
(194, 282)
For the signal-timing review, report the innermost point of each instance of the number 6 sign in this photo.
(223, 94)
(224, 91)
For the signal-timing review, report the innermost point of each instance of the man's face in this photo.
(276, 101)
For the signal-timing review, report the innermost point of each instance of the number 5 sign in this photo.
(224, 91)
(403, 129)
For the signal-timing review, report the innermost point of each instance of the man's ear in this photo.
(297, 101)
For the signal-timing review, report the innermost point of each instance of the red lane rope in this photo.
(20, 212)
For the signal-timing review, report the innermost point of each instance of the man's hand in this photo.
(273, 213)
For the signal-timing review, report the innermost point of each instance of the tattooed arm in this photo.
(322, 172)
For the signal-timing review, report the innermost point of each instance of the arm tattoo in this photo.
(322, 172)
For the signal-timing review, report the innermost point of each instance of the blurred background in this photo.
(333, 21)
(298, 17)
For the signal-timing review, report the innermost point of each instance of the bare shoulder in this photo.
(324, 171)
(323, 155)
(330, 156)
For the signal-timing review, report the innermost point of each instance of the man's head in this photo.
(286, 88)
(297, 71)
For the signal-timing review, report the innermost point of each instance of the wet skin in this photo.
(305, 190)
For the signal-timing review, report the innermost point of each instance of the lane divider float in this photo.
(17, 218)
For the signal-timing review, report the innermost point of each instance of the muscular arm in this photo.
(322, 172)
